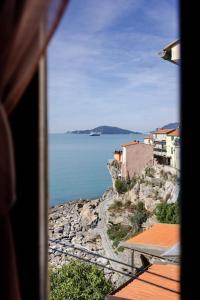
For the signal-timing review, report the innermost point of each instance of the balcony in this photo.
(159, 152)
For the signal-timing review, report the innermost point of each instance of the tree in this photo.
(79, 280)
(168, 213)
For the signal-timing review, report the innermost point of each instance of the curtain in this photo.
(26, 27)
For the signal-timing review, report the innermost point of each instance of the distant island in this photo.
(105, 130)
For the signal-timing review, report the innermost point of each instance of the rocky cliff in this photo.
(156, 184)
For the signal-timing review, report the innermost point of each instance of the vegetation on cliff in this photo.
(122, 186)
(168, 213)
(120, 232)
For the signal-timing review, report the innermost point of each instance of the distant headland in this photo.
(105, 130)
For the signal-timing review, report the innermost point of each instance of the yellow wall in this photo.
(117, 156)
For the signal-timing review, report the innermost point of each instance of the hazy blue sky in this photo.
(104, 67)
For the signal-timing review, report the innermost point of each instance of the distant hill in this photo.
(104, 130)
(171, 125)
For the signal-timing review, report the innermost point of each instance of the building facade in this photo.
(173, 148)
(160, 146)
(135, 157)
(148, 139)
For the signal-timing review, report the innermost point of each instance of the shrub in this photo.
(150, 172)
(121, 186)
(117, 232)
(132, 183)
(168, 213)
(120, 249)
(117, 205)
(140, 216)
(79, 280)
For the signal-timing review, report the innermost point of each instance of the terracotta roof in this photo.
(130, 143)
(159, 282)
(163, 131)
(161, 235)
(175, 132)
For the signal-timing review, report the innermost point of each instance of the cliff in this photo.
(157, 184)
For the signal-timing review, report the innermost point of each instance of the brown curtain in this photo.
(26, 27)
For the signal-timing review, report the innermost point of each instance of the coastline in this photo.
(76, 225)
(74, 201)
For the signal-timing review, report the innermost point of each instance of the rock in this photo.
(54, 216)
(59, 229)
(67, 228)
(102, 261)
(88, 217)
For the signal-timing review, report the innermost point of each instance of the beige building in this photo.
(173, 148)
(135, 157)
(148, 139)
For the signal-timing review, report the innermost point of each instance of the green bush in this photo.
(79, 280)
(168, 213)
(117, 232)
(121, 186)
(140, 216)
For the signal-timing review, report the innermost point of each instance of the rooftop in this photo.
(163, 131)
(172, 44)
(161, 235)
(130, 143)
(175, 132)
(150, 136)
(156, 283)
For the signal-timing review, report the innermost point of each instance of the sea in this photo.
(78, 164)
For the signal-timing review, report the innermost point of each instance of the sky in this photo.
(104, 67)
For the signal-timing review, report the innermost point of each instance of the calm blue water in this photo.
(78, 164)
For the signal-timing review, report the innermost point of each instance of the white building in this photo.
(173, 148)
(148, 139)
(160, 148)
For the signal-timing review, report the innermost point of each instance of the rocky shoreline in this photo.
(83, 224)
(74, 225)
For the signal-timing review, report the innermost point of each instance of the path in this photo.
(102, 231)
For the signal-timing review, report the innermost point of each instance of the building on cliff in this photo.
(167, 147)
(135, 157)
(173, 148)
